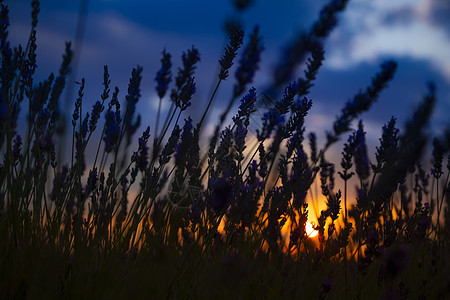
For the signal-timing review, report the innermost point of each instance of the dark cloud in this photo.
(440, 13)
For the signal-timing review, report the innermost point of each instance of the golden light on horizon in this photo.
(310, 231)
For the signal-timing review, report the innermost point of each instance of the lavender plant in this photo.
(180, 219)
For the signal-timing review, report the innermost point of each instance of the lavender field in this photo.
(245, 204)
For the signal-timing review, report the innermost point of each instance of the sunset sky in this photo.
(122, 34)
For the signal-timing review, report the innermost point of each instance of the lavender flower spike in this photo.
(230, 53)
(164, 76)
(249, 62)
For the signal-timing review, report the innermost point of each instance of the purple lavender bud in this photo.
(17, 148)
(231, 49)
(141, 156)
(34, 13)
(313, 146)
(58, 183)
(298, 48)
(112, 131)
(76, 112)
(182, 150)
(270, 120)
(134, 94)
(222, 193)
(334, 205)
(84, 126)
(287, 101)
(388, 150)
(312, 67)
(262, 161)
(360, 154)
(247, 105)
(438, 157)
(46, 143)
(184, 98)
(363, 100)
(106, 82)
(170, 147)
(249, 62)
(242, 5)
(324, 178)
(189, 59)
(164, 76)
(92, 179)
(60, 80)
(295, 124)
(95, 115)
(362, 199)
(301, 178)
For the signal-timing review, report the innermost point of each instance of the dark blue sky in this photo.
(123, 34)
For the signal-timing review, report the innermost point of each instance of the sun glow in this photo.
(310, 231)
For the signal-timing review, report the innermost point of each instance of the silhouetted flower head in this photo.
(17, 148)
(296, 51)
(58, 182)
(141, 156)
(249, 62)
(60, 80)
(184, 98)
(334, 205)
(360, 155)
(324, 177)
(295, 124)
(363, 100)
(262, 161)
(247, 106)
(106, 82)
(34, 12)
(222, 193)
(301, 178)
(242, 5)
(189, 60)
(438, 157)
(361, 198)
(347, 155)
(274, 117)
(327, 18)
(388, 150)
(164, 77)
(76, 112)
(313, 146)
(134, 93)
(231, 49)
(186, 142)
(313, 65)
(92, 179)
(97, 109)
(112, 131)
(170, 146)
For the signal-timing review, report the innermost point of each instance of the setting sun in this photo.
(310, 231)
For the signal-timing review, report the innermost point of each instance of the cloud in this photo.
(382, 28)
(437, 12)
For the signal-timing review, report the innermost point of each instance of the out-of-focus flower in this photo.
(163, 77)
(249, 62)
